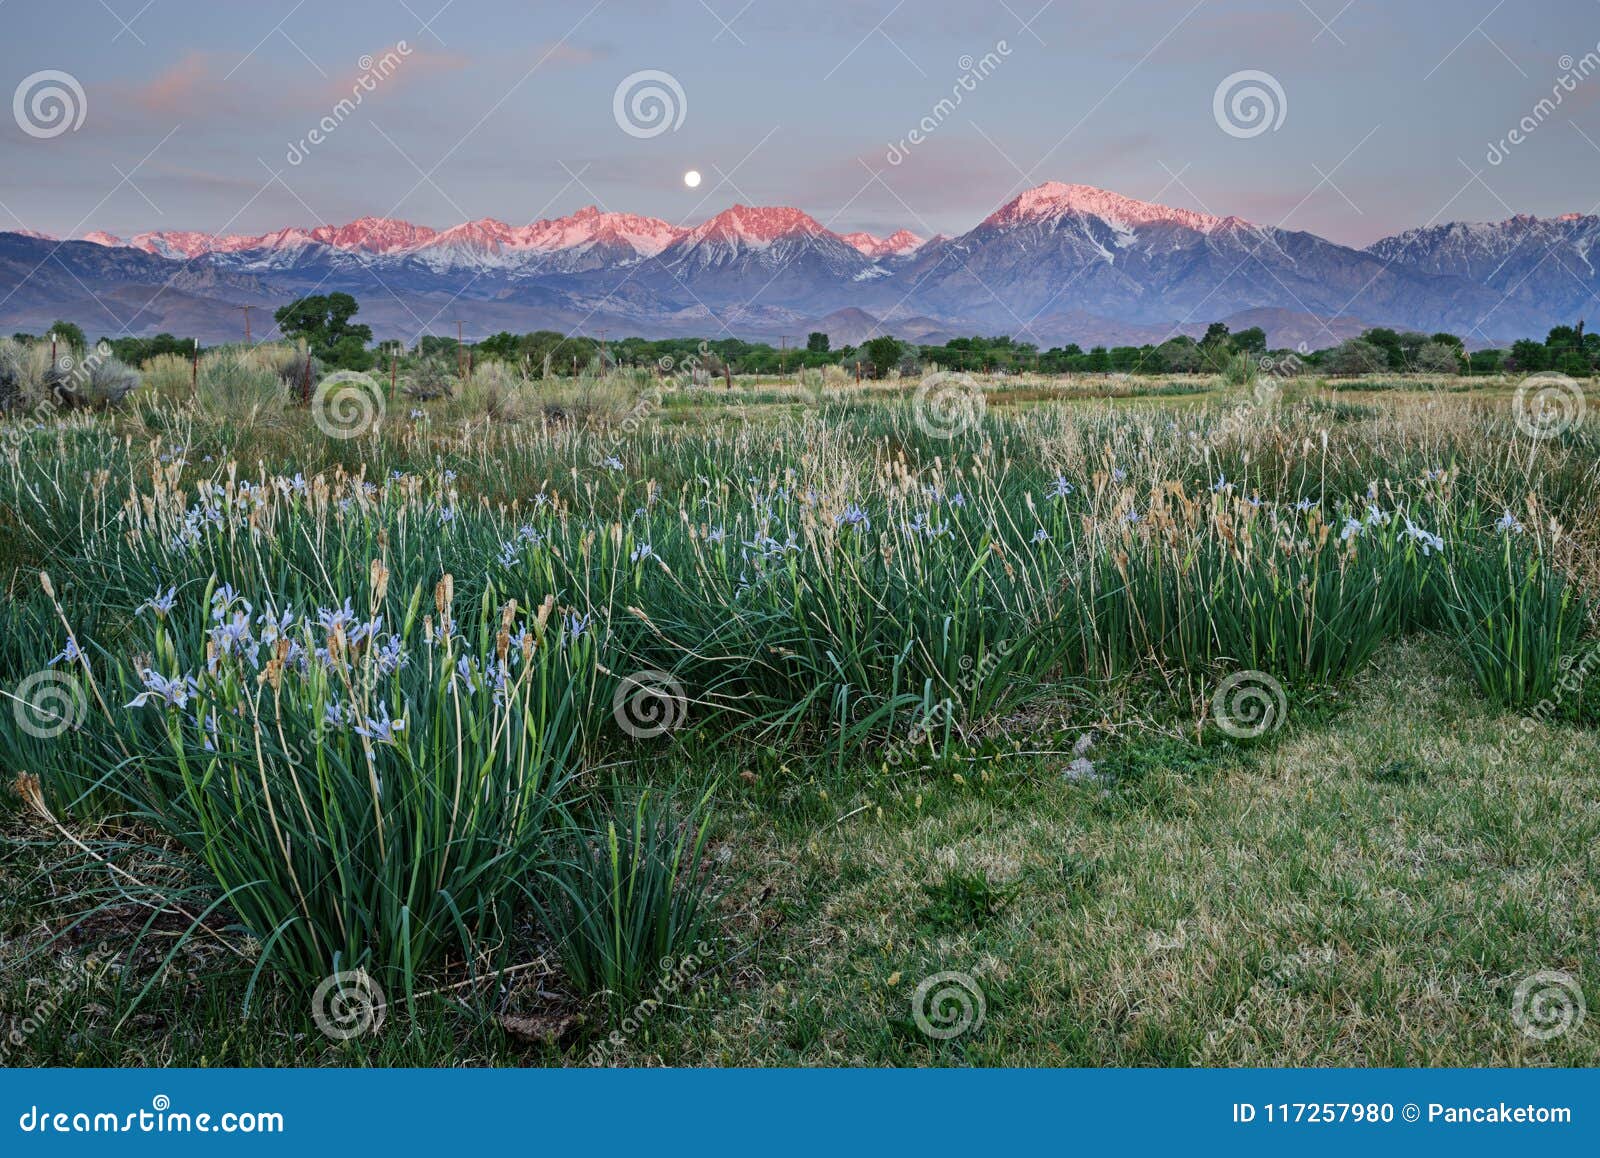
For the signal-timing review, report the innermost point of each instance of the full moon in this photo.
(692, 178)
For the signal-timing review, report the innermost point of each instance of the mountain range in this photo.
(1058, 263)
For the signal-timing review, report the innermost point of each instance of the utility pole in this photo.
(602, 351)
(246, 310)
(461, 349)
(783, 351)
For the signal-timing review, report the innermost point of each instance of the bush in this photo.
(433, 378)
(230, 387)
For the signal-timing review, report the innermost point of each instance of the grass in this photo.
(926, 736)
(1296, 904)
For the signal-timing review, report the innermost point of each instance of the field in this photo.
(1031, 721)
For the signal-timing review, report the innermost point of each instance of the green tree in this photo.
(816, 342)
(883, 353)
(1388, 341)
(1529, 357)
(70, 334)
(502, 347)
(324, 322)
(1485, 361)
(1252, 341)
(1356, 356)
(1177, 355)
(1438, 358)
(1217, 346)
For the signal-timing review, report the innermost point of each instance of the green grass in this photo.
(1364, 890)
(946, 704)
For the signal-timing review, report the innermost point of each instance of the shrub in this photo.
(432, 378)
(236, 385)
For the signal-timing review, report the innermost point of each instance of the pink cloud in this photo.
(390, 67)
(180, 89)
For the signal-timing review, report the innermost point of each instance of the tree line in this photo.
(326, 323)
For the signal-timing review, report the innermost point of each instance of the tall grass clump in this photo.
(630, 895)
(1516, 617)
(366, 790)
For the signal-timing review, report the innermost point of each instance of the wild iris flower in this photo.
(171, 693)
(1508, 522)
(161, 603)
(1426, 539)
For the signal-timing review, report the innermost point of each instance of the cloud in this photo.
(389, 68)
(189, 85)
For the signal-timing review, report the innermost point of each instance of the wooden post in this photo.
(305, 382)
(194, 370)
(858, 373)
(52, 351)
(394, 370)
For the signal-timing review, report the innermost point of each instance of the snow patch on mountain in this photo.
(1053, 201)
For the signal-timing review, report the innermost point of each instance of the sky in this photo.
(1374, 116)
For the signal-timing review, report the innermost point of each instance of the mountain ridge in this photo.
(1058, 262)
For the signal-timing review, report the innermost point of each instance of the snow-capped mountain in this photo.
(1060, 250)
(485, 243)
(771, 255)
(1051, 204)
(589, 239)
(1534, 263)
(897, 244)
(1056, 263)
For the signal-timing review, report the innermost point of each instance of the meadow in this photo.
(639, 720)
